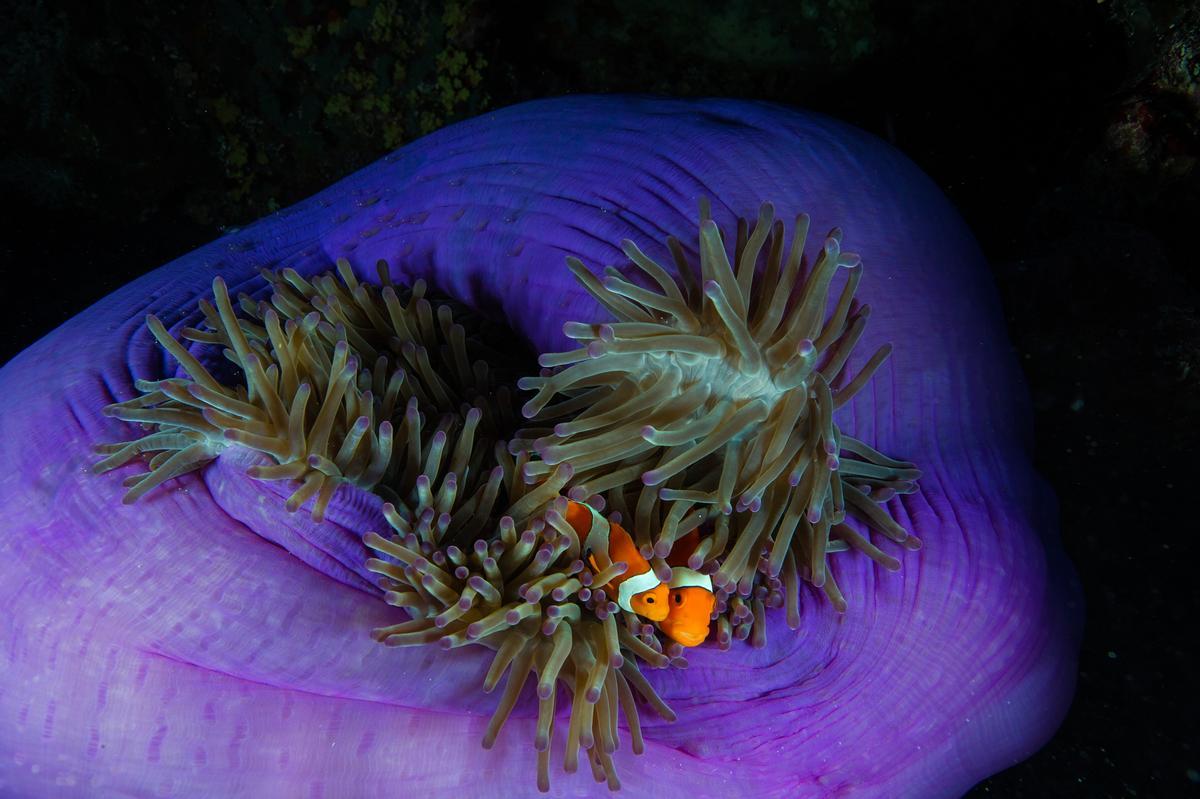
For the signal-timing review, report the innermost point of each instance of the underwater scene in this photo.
(434, 399)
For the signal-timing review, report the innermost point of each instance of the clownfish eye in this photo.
(649, 600)
(678, 597)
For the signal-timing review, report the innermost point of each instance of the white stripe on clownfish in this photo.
(630, 587)
(683, 577)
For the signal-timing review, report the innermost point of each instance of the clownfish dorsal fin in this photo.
(683, 548)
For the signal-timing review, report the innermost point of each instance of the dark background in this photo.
(1067, 134)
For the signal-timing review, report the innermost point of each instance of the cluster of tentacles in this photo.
(529, 596)
(707, 405)
(711, 398)
(338, 379)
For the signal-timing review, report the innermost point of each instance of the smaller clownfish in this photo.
(638, 590)
(691, 596)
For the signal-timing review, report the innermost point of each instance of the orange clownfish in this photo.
(638, 590)
(691, 596)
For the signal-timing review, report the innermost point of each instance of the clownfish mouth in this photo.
(680, 476)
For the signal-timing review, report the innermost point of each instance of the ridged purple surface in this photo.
(204, 643)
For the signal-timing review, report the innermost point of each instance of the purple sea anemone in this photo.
(214, 637)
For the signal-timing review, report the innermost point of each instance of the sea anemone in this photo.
(735, 378)
(205, 640)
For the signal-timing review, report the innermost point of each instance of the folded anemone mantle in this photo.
(205, 641)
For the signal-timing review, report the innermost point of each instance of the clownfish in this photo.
(638, 590)
(691, 596)
(682, 607)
